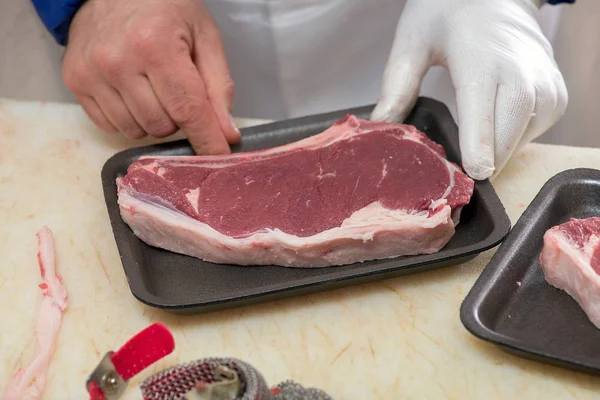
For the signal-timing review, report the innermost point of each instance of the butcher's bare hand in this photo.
(149, 67)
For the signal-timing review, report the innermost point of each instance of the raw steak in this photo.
(570, 260)
(358, 191)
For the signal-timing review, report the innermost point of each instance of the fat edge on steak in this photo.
(372, 232)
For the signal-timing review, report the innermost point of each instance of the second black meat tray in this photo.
(182, 284)
(512, 305)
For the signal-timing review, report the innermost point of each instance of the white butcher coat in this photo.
(296, 57)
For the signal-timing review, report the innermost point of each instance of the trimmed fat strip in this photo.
(29, 382)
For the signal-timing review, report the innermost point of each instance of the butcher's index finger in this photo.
(182, 93)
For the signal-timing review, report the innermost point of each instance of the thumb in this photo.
(409, 61)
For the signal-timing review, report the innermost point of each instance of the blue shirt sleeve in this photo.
(554, 2)
(57, 16)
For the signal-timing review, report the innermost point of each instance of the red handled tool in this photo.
(205, 379)
(110, 378)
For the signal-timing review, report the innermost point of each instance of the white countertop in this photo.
(398, 338)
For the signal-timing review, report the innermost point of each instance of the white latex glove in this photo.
(508, 87)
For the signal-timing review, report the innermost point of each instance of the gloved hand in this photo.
(508, 87)
(149, 67)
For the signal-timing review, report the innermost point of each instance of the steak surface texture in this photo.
(570, 260)
(358, 191)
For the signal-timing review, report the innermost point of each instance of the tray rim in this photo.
(469, 310)
(501, 229)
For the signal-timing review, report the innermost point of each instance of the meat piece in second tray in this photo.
(570, 260)
(358, 191)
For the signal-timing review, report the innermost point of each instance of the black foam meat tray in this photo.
(186, 285)
(511, 304)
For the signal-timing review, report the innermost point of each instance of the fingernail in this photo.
(479, 172)
(233, 123)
